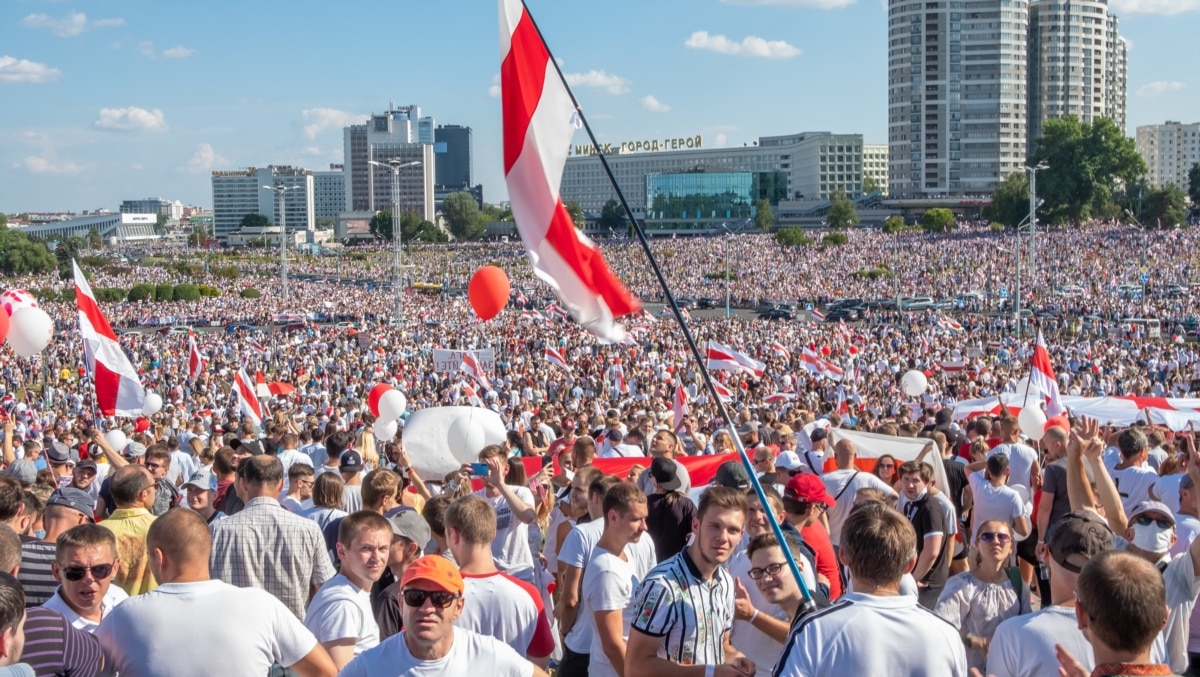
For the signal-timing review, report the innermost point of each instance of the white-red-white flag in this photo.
(679, 406)
(119, 391)
(247, 399)
(555, 311)
(817, 315)
(471, 367)
(1041, 376)
(539, 121)
(779, 350)
(779, 397)
(468, 391)
(724, 393)
(725, 358)
(258, 348)
(553, 356)
(196, 360)
(260, 385)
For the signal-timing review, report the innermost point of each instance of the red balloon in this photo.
(853, 350)
(376, 393)
(4, 321)
(488, 292)
(1060, 421)
(825, 351)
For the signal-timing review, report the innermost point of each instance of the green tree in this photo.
(870, 184)
(495, 213)
(791, 236)
(250, 293)
(894, 224)
(94, 239)
(1163, 208)
(763, 218)
(576, 213)
(612, 217)
(140, 292)
(67, 249)
(938, 220)
(842, 213)
(1010, 202)
(1194, 184)
(463, 217)
(186, 292)
(1086, 164)
(197, 238)
(428, 232)
(3, 220)
(164, 292)
(21, 256)
(381, 225)
(253, 221)
(834, 239)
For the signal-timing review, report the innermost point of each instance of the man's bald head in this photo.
(183, 537)
(844, 452)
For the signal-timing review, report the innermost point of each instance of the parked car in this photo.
(916, 303)
(177, 329)
(706, 302)
(776, 314)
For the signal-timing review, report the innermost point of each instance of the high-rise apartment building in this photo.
(956, 94)
(329, 192)
(1170, 151)
(1077, 63)
(399, 133)
(241, 192)
(452, 143)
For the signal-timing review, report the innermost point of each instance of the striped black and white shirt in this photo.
(691, 614)
(35, 574)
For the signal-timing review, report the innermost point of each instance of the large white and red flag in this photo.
(196, 360)
(471, 367)
(727, 359)
(724, 393)
(555, 357)
(779, 350)
(539, 121)
(119, 391)
(1041, 376)
(247, 398)
(679, 406)
(468, 391)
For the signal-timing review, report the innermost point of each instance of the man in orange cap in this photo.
(431, 596)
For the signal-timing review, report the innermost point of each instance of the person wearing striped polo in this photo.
(684, 608)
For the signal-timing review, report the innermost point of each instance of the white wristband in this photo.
(710, 670)
(752, 617)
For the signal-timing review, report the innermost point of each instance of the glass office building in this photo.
(701, 202)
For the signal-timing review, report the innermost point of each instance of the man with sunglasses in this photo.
(65, 508)
(431, 593)
(84, 562)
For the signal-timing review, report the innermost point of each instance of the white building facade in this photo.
(875, 163)
(1170, 151)
(241, 192)
(398, 133)
(329, 194)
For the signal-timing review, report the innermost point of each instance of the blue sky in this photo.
(103, 100)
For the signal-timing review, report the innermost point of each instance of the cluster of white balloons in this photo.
(388, 404)
(29, 327)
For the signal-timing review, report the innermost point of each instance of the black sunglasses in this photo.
(440, 598)
(99, 572)
(1162, 523)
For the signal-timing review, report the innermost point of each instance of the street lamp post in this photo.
(397, 240)
(1145, 246)
(1033, 223)
(283, 272)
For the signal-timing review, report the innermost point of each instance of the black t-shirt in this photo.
(928, 519)
(669, 522)
(387, 611)
(956, 480)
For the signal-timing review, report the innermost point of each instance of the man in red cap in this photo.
(431, 595)
(804, 501)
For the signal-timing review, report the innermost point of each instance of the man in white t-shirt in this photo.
(340, 614)
(844, 484)
(247, 629)
(514, 514)
(993, 499)
(611, 577)
(1024, 646)
(496, 604)
(874, 630)
(1132, 476)
(431, 593)
(82, 599)
(1022, 459)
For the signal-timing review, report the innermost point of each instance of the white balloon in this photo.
(427, 438)
(391, 405)
(465, 438)
(384, 430)
(30, 331)
(914, 383)
(152, 404)
(116, 439)
(1032, 421)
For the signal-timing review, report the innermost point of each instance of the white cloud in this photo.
(599, 80)
(74, 23)
(1159, 87)
(720, 140)
(750, 45)
(205, 159)
(131, 119)
(40, 165)
(494, 90)
(178, 52)
(1120, 7)
(317, 120)
(815, 4)
(15, 71)
(650, 103)
(146, 47)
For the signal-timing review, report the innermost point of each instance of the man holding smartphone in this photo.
(514, 513)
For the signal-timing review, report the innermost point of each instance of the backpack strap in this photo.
(847, 486)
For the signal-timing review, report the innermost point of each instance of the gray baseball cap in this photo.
(410, 525)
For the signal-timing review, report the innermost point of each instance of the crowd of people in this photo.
(310, 546)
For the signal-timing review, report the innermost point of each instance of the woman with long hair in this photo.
(977, 601)
(885, 469)
(327, 502)
(721, 443)
(365, 445)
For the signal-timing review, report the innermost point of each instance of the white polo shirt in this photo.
(868, 635)
(341, 609)
(112, 598)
